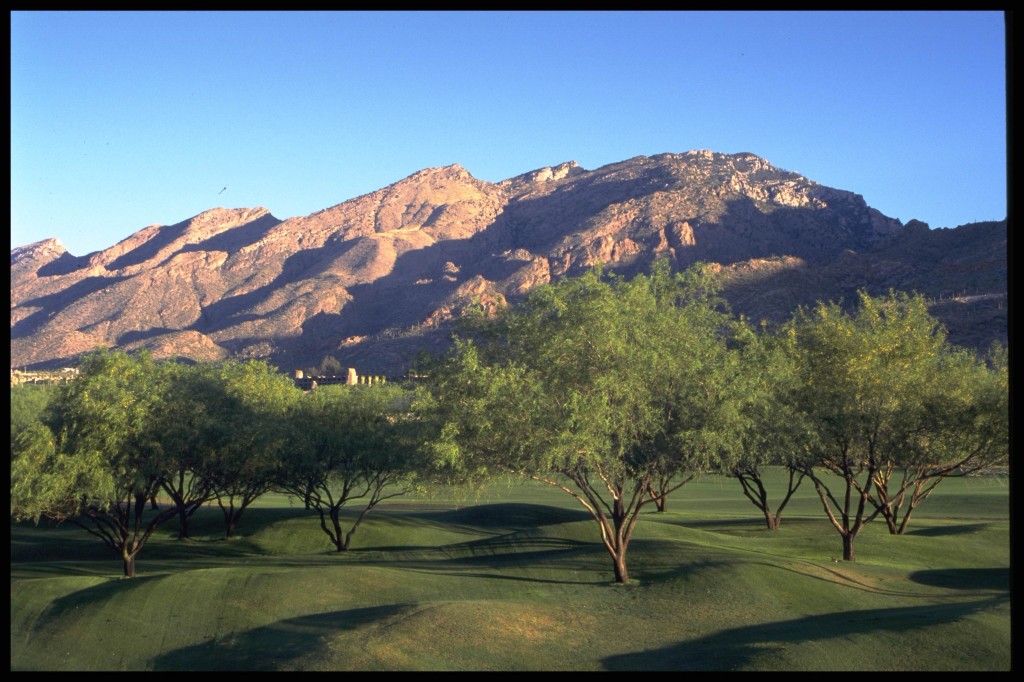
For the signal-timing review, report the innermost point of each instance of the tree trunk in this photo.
(621, 572)
(340, 541)
(904, 522)
(182, 522)
(917, 497)
(129, 565)
(750, 479)
(659, 500)
(848, 547)
(233, 519)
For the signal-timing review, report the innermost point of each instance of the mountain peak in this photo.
(367, 281)
(155, 243)
(454, 171)
(43, 250)
(546, 174)
(221, 215)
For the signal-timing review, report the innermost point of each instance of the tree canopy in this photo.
(597, 385)
(883, 392)
(254, 405)
(95, 462)
(771, 429)
(350, 443)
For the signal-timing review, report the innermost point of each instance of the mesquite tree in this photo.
(95, 462)
(962, 427)
(772, 430)
(872, 390)
(185, 426)
(350, 443)
(594, 385)
(253, 408)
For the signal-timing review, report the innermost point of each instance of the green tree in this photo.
(253, 432)
(772, 429)
(350, 443)
(962, 428)
(700, 393)
(184, 426)
(591, 385)
(95, 462)
(28, 402)
(865, 379)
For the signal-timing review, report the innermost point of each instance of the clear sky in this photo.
(120, 120)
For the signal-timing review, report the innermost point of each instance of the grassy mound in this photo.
(518, 580)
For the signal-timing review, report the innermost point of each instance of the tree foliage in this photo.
(884, 393)
(772, 429)
(349, 443)
(253, 405)
(28, 402)
(95, 462)
(961, 427)
(596, 385)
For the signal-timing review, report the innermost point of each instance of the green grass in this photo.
(514, 579)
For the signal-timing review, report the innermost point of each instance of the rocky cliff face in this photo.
(374, 279)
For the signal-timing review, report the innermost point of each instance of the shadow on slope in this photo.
(958, 529)
(232, 310)
(57, 301)
(275, 645)
(965, 578)
(737, 648)
(165, 235)
(143, 335)
(507, 515)
(229, 240)
(236, 238)
(63, 265)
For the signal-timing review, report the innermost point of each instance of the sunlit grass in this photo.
(515, 579)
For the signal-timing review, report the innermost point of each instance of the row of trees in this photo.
(128, 430)
(619, 392)
(616, 392)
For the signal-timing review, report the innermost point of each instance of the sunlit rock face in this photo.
(375, 279)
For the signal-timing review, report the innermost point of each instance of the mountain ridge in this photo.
(371, 279)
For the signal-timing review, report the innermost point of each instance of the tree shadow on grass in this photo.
(736, 648)
(95, 594)
(938, 531)
(497, 554)
(560, 556)
(506, 515)
(965, 578)
(747, 522)
(650, 575)
(272, 646)
(52, 544)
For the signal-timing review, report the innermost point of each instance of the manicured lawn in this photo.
(515, 579)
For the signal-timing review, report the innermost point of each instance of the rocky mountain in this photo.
(375, 279)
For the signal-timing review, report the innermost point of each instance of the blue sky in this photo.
(124, 119)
